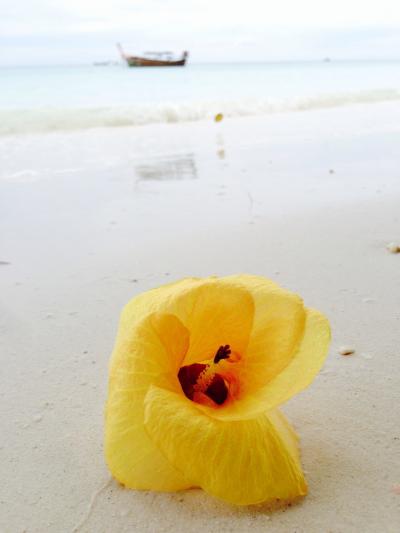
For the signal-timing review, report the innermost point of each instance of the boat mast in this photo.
(122, 53)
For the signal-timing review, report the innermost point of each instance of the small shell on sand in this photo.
(393, 248)
(346, 350)
(396, 488)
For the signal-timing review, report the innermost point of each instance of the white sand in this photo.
(85, 225)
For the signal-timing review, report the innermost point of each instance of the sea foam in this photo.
(41, 120)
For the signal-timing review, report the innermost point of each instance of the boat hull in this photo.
(133, 61)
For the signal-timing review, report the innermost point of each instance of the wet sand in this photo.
(89, 219)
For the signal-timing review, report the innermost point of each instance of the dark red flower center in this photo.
(195, 379)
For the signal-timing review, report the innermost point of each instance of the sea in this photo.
(56, 98)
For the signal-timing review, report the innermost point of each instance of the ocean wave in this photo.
(24, 121)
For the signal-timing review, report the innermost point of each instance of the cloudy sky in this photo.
(81, 31)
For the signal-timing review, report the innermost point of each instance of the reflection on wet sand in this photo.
(221, 154)
(179, 167)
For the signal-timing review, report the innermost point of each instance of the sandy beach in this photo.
(91, 218)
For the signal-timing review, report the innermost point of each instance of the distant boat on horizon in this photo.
(107, 63)
(153, 59)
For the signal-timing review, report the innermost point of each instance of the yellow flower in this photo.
(196, 376)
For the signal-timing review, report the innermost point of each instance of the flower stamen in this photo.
(223, 353)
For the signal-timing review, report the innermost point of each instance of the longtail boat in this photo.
(153, 59)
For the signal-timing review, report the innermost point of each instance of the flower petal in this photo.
(147, 352)
(216, 313)
(305, 365)
(278, 328)
(296, 376)
(241, 462)
(214, 310)
(158, 300)
(277, 331)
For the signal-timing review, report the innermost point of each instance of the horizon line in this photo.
(116, 62)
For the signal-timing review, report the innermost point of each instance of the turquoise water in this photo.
(48, 98)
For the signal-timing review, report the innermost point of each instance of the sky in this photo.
(41, 32)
